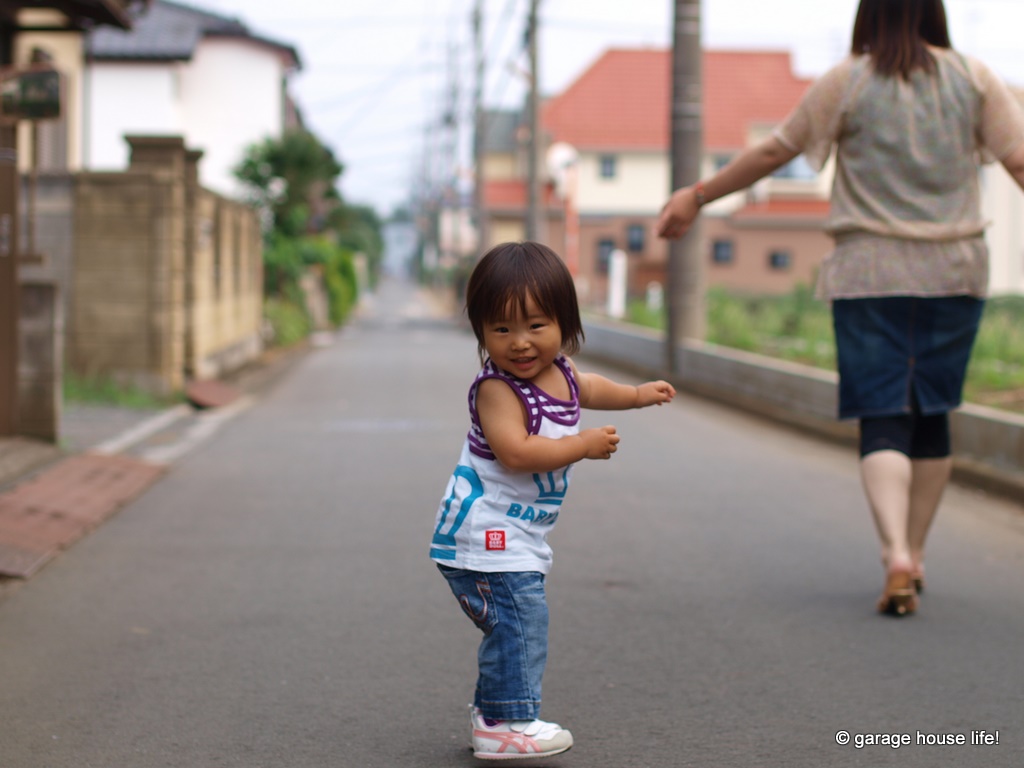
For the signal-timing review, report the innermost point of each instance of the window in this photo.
(721, 252)
(605, 248)
(798, 168)
(635, 238)
(608, 163)
(780, 259)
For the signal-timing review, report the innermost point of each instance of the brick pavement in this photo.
(54, 508)
(52, 496)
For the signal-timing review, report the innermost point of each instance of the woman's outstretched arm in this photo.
(751, 165)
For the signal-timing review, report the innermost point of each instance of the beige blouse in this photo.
(905, 213)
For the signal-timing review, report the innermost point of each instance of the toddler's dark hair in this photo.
(512, 271)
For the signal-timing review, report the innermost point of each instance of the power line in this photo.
(364, 107)
(374, 89)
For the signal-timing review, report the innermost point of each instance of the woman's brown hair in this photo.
(510, 272)
(897, 33)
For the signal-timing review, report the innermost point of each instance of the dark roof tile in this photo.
(170, 31)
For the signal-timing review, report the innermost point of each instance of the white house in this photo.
(184, 71)
(1003, 206)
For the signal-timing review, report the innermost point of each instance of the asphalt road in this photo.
(270, 604)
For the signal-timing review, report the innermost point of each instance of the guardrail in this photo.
(988, 443)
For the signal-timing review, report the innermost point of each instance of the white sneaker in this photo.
(517, 739)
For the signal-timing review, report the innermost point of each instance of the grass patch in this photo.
(101, 390)
(995, 375)
(289, 321)
(794, 327)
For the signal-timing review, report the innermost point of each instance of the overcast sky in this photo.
(375, 74)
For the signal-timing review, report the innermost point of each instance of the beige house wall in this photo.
(66, 50)
(501, 165)
(640, 184)
(505, 230)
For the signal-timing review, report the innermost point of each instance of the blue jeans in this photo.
(511, 610)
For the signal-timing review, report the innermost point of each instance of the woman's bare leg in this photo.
(929, 479)
(888, 478)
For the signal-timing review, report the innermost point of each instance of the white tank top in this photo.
(490, 518)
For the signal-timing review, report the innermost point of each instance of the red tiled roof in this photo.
(622, 100)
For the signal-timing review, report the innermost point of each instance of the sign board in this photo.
(30, 94)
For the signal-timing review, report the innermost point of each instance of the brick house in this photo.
(616, 117)
(765, 240)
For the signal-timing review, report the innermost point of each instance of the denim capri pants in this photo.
(903, 354)
(511, 610)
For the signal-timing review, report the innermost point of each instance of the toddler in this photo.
(506, 493)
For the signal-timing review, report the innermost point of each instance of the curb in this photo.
(135, 435)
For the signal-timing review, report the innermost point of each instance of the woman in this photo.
(910, 120)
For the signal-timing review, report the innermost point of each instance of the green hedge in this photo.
(285, 261)
(289, 322)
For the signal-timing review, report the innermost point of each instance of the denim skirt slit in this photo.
(901, 354)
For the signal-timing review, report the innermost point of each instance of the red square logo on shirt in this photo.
(495, 540)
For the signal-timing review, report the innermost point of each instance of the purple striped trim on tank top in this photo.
(538, 403)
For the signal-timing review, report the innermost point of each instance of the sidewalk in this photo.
(51, 496)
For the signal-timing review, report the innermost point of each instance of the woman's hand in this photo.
(678, 214)
(751, 165)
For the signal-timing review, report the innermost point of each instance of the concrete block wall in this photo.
(168, 276)
(226, 282)
(125, 285)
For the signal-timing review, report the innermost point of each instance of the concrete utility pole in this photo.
(479, 128)
(685, 305)
(9, 290)
(452, 205)
(535, 191)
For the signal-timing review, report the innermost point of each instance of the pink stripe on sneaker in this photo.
(522, 743)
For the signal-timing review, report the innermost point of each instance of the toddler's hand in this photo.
(654, 393)
(601, 442)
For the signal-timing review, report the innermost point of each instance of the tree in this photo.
(293, 179)
(358, 228)
(310, 231)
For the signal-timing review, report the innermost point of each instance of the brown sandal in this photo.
(899, 597)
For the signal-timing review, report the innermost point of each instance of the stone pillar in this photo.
(164, 158)
(160, 153)
(39, 363)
